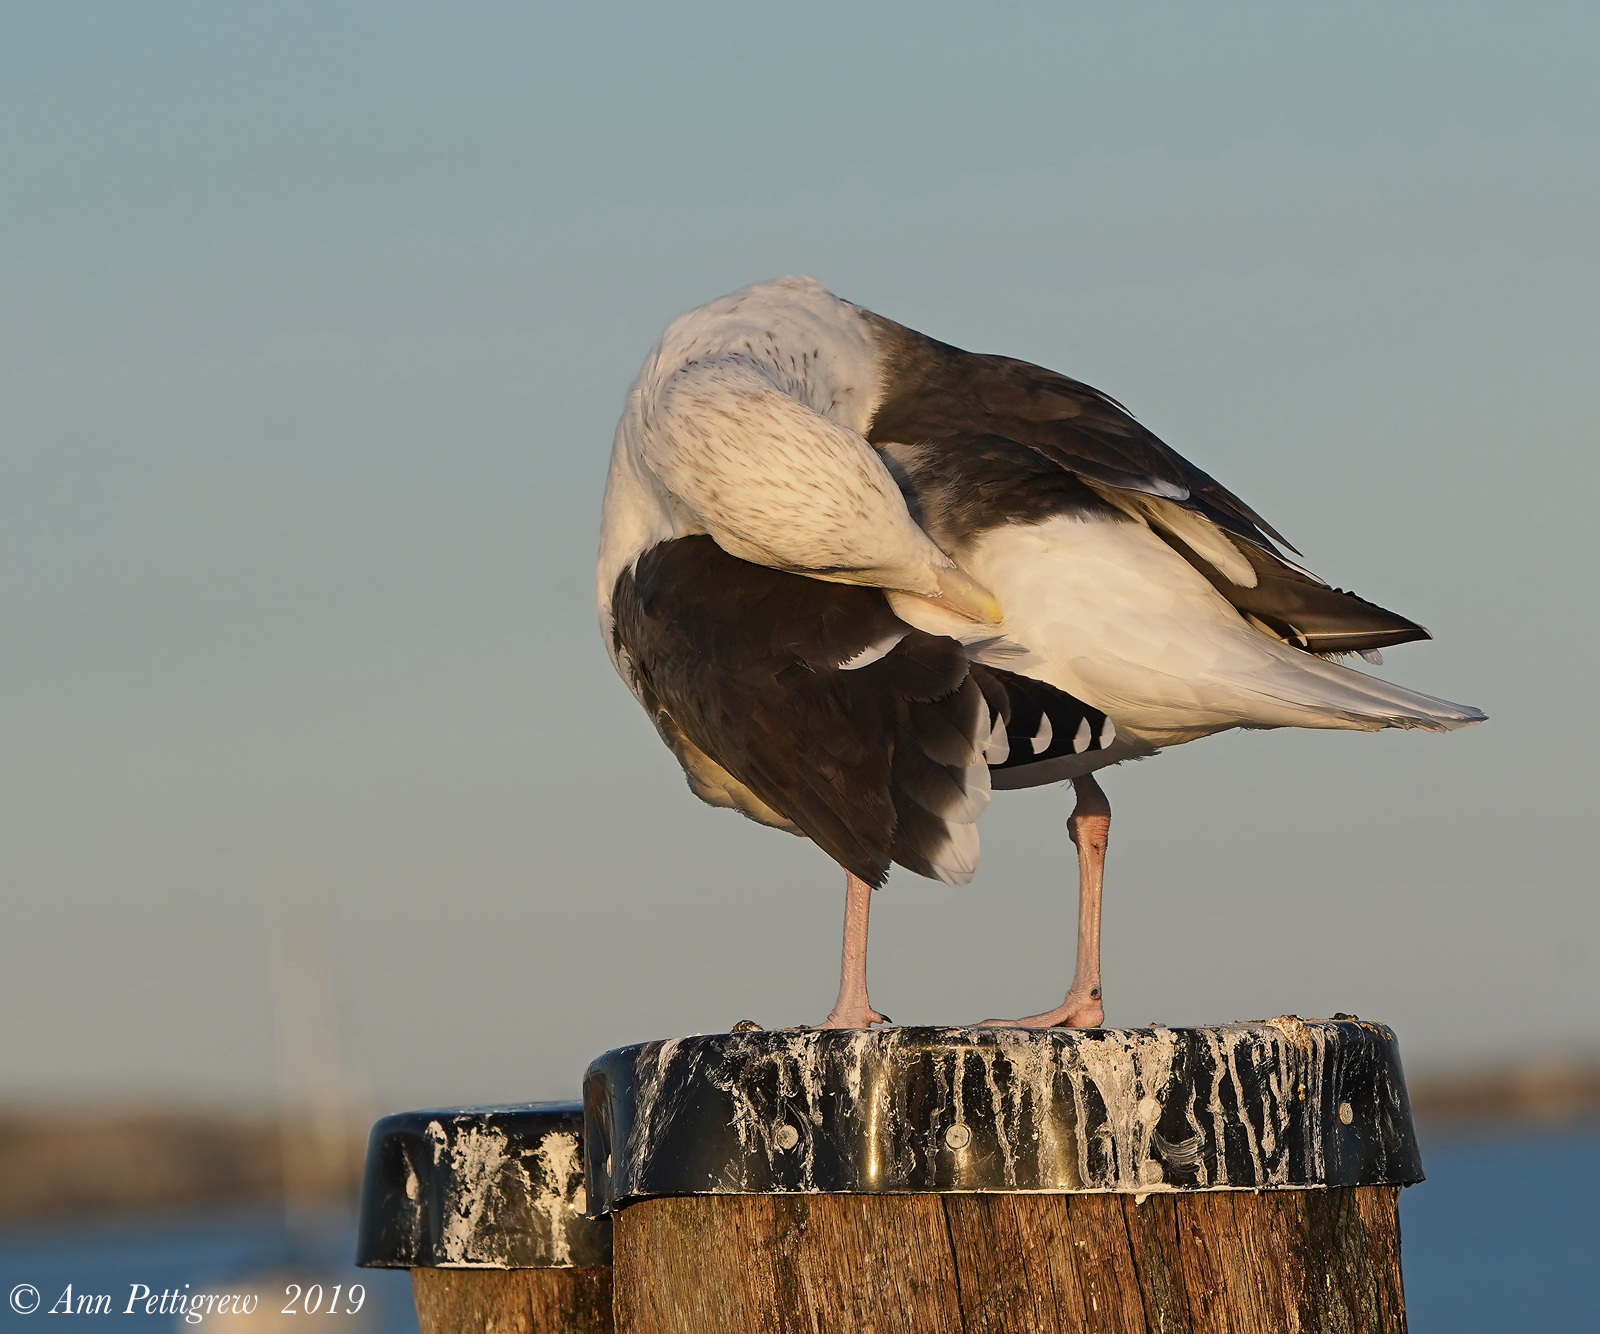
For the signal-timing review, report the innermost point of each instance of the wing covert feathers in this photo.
(876, 763)
(980, 441)
(809, 706)
(935, 393)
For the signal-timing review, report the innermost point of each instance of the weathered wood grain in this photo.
(1213, 1262)
(513, 1301)
(1102, 1253)
(1045, 1262)
(1013, 1265)
(1153, 1235)
(783, 1264)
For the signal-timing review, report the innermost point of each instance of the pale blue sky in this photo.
(315, 321)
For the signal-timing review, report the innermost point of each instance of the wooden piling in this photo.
(513, 1301)
(1240, 1178)
(485, 1207)
(1011, 1264)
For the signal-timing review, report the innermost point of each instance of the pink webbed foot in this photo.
(1074, 1012)
(854, 1016)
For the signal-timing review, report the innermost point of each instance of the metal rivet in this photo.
(787, 1137)
(1347, 1113)
(958, 1136)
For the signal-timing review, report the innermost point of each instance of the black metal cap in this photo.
(479, 1188)
(1280, 1103)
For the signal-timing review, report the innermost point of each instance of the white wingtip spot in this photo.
(1082, 737)
(997, 749)
(1108, 734)
(1041, 738)
(1372, 655)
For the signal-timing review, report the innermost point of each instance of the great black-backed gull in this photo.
(859, 577)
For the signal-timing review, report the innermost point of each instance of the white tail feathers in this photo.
(1353, 699)
(1109, 613)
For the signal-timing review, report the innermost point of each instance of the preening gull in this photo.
(858, 578)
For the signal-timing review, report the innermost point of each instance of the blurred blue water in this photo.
(1503, 1236)
(230, 1251)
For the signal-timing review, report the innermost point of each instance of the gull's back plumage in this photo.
(807, 511)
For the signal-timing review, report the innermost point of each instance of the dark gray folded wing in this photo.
(980, 440)
(935, 392)
(871, 762)
(811, 705)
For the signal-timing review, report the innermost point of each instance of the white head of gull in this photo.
(858, 578)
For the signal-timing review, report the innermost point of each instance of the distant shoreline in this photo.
(1552, 1092)
(78, 1161)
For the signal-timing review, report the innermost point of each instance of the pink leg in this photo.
(853, 1009)
(1089, 828)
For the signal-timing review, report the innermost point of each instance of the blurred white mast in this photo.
(315, 1103)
